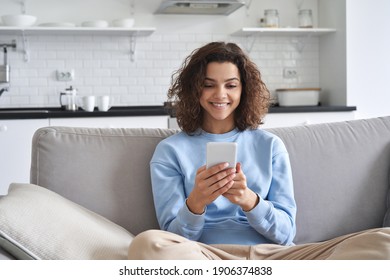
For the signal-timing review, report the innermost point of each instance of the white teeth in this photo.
(219, 104)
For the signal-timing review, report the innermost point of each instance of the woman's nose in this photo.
(220, 92)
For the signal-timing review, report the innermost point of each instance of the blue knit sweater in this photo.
(266, 165)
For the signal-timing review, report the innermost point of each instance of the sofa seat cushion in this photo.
(36, 223)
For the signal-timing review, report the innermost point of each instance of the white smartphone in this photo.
(218, 152)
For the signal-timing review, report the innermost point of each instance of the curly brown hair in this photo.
(188, 82)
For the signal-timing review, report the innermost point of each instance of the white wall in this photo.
(333, 65)
(102, 63)
(368, 57)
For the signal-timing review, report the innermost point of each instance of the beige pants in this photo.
(157, 244)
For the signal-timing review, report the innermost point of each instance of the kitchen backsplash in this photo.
(103, 66)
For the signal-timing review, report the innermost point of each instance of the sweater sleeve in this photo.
(170, 202)
(274, 216)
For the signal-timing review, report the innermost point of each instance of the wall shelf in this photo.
(251, 33)
(132, 33)
(259, 31)
(109, 31)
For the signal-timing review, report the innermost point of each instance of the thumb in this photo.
(238, 167)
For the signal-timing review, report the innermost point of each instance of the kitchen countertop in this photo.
(56, 112)
(311, 109)
(131, 111)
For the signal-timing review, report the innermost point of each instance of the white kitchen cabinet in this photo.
(295, 119)
(113, 122)
(15, 150)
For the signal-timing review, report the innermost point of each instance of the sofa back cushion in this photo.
(104, 170)
(341, 176)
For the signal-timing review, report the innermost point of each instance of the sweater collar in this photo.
(219, 137)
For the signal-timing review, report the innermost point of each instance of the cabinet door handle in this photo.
(3, 128)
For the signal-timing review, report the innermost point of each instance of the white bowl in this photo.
(298, 96)
(19, 20)
(123, 22)
(95, 23)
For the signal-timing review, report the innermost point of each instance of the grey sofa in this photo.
(340, 172)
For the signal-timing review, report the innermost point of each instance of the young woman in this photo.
(217, 212)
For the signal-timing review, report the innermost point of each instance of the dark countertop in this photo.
(56, 112)
(131, 111)
(311, 109)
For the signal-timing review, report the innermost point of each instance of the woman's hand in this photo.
(209, 185)
(240, 194)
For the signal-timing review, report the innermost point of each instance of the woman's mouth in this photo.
(219, 105)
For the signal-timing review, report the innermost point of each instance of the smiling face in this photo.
(220, 96)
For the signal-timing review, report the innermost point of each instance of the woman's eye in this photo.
(228, 86)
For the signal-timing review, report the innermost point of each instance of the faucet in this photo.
(5, 68)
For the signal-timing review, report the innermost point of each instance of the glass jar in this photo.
(271, 18)
(305, 19)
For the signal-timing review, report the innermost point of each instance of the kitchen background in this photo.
(103, 65)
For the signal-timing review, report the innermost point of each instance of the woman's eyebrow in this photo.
(227, 80)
